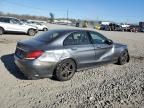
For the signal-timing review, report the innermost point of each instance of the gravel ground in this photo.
(109, 86)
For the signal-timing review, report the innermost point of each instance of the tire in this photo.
(45, 29)
(31, 32)
(65, 70)
(1, 30)
(124, 58)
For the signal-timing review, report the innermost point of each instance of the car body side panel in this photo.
(108, 53)
(17, 28)
(35, 68)
(84, 54)
(5, 26)
(104, 53)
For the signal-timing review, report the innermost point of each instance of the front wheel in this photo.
(31, 32)
(124, 58)
(65, 70)
(45, 29)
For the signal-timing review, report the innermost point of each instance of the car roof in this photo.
(7, 17)
(70, 30)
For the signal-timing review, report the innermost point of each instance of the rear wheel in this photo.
(124, 58)
(65, 70)
(1, 30)
(31, 32)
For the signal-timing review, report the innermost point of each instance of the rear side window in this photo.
(77, 38)
(14, 21)
(48, 36)
(6, 20)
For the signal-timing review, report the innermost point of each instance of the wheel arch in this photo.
(76, 64)
(70, 59)
(2, 28)
(30, 29)
(45, 28)
(125, 49)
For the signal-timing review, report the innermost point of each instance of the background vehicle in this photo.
(111, 27)
(141, 29)
(115, 27)
(61, 53)
(141, 25)
(125, 27)
(105, 27)
(97, 26)
(38, 25)
(77, 24)
(9, 24)
(85, 24)
(134, 28)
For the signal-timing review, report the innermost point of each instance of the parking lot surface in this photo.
(107, 86)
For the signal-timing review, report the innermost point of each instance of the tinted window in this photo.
(6, 20)
(48, 36)
(14, 21)
(37, 23)
(1, 19)
(77, 38)
(97, 38)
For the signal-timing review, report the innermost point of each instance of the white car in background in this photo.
(125, 25)
(10, 24)
(40, 27)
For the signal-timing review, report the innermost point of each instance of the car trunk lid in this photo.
(26, 46)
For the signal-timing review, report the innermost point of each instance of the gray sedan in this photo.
(60, 53)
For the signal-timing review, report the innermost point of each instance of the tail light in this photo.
(34, 54)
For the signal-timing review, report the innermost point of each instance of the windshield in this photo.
(48, 36)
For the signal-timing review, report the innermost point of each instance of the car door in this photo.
(81, 48)
(103, 51)
(17, 26)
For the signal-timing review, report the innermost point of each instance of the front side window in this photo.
(97, 38)
(77, 38)
(14, 21)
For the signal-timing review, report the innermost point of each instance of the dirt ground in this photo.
(109, 86)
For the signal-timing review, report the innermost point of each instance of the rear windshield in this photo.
(48, 36)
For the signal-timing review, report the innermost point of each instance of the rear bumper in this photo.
(35, 68)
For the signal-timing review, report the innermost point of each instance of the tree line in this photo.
(51, 18)
(26, 16)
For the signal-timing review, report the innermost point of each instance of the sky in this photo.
(130, 11)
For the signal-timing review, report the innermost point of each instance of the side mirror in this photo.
(109, 41)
